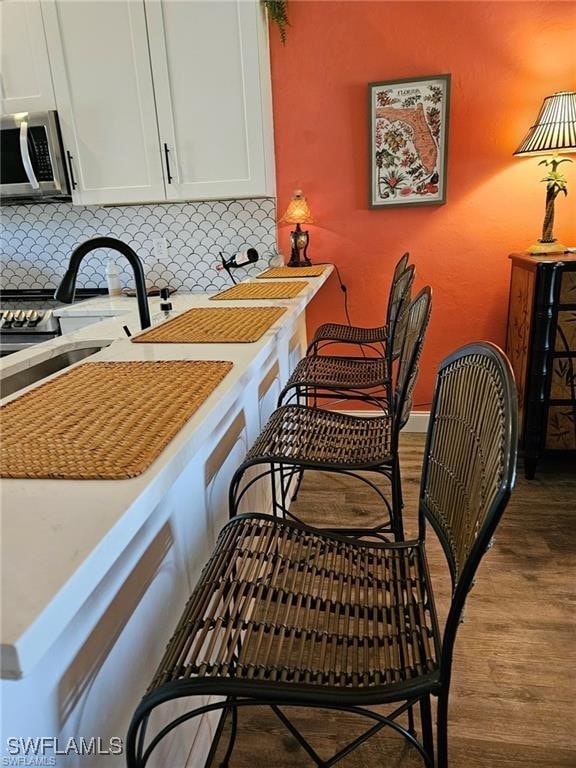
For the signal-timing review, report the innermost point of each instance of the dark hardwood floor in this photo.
(513, 698)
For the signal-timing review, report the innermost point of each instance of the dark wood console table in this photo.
(541, 345)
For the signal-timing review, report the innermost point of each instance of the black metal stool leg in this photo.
(232, 741)
(224, 763)
(396, 482)
(411, 727)
(426, 718)
(442, 730)
(135, 742)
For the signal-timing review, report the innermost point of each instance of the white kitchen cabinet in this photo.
(101, 68)
(25, 79)
(162, 99)
(211, 78)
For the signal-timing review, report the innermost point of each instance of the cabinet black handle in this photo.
(70, 168)
(167, 156)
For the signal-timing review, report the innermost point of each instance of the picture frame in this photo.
(408, 125)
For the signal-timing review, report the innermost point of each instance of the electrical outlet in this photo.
(160, 248)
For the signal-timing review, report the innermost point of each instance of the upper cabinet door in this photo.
(212, 83)
(25, 80)
(103, 85)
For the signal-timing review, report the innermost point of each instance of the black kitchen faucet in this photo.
(66, 289)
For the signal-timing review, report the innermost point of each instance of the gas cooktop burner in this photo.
(29, 313)
(26, 320)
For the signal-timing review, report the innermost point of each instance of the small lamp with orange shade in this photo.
(298, 213)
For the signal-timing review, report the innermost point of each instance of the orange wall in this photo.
(504, 58)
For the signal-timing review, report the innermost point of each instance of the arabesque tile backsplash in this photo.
(36, 241)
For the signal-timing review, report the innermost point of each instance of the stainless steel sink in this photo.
(17, 381)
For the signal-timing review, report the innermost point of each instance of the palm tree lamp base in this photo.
(541, 248)
(299, 240)
(298, 213)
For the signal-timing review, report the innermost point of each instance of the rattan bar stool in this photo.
(367, 338)
(285, 615)
(298, 438)
(368, 379)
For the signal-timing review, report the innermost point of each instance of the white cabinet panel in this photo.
(268, 393)
(211, 77)
(26, 83)
(153, 594)
(219, 468)
(101, 68)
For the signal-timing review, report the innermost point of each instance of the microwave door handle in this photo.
(26, 161)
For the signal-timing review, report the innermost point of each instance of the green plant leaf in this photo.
(277, 13)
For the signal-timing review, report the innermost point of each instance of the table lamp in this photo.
(553, 132)
(298, 213)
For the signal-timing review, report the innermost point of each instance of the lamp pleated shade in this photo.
(298, 211)
(555, 126)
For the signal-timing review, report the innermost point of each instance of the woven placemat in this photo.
(105, 421)
(293, 272)
(261, 291)
(216, 325)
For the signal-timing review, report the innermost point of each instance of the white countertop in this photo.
(122, 311)
(60, 537)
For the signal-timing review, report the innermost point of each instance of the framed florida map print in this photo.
(408, 137)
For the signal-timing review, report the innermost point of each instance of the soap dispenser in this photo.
(113, 279)
(165, 304)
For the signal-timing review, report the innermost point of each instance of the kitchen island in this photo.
(95, 572)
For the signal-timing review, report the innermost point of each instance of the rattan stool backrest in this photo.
(469, 462)
(408, 363)
(401, 266)
(397, 315)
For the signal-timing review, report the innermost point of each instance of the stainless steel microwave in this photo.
(32, 166)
